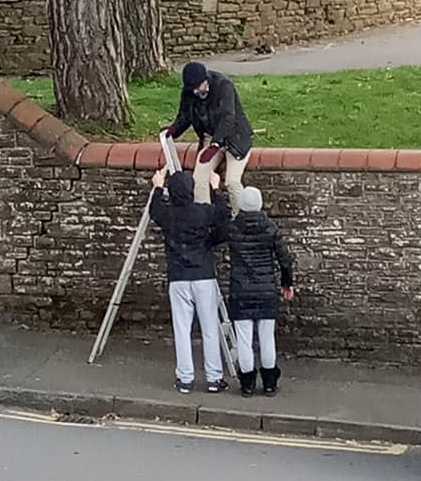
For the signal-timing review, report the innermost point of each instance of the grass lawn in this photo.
(360, 108)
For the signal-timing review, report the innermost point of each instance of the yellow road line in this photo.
(373, 448)
(219, 435)
(45, 420)
(44, 417)
(29, 419)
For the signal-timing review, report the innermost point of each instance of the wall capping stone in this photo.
(66, 142)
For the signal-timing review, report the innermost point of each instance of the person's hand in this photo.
(207, 155)
(215, 180)
(288, 293)
(158, 180)
(171, 131)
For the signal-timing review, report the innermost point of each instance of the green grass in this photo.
(360, 108)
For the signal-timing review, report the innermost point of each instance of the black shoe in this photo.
(183, 387)
(247, 382)
(218, 386)
(270, 380)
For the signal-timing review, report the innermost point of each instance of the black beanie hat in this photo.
(194, 73)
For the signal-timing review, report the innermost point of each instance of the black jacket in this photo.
(188, 229)
(255, 244)
(220, 115)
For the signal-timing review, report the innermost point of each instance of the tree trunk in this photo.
(143, 38)
(88, 59)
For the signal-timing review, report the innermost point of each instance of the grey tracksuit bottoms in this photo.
(266, 332)
(201, 296)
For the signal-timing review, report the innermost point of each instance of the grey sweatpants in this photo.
(266, 331)
(185, 298)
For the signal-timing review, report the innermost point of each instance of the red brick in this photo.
(254, 161)
(48, 131)
(355, 159)
(271, 159)
(9, 98)
(26, 114)
(382, 159)
(297, 158)
(325, 158)
(70, 145)
(122, 156)
(408, 160)
(191, 155)
(182, 149)
(147, 156)
(161, 158)
(95, 154)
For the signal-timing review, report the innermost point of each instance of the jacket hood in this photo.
(181, 188)
(251, 222)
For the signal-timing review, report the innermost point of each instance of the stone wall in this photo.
(23, 37)
(65, 231)
(201, 27)
(209, 26)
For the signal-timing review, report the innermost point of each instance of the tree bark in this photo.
(143, 38)
(88, 59)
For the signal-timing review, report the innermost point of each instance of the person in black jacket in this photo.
(188, 229)
(255, 244)
(210, 103)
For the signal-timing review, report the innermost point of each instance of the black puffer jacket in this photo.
(220, 115)
(255, 244)
(188, 228)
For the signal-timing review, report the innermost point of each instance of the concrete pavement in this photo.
(392, 46)
(134, 379)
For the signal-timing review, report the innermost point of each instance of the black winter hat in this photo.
(194, 73)
(181, 188)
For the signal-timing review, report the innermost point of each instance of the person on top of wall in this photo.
(188, 230)
(210, 103)
(255, 244)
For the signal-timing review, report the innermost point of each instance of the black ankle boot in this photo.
(247, 382)
(270, 379)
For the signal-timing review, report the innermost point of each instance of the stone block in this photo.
(229, 419)
(7, 266)
(228, 7)
(7, 140)
(210, 6)
(5, 284)
(296, 425)
(151, 409)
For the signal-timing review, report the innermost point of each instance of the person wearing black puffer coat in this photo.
(255, 245)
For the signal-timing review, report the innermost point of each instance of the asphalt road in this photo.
(392, 46)
(44, 451)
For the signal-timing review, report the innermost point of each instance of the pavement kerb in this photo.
(61, 402)
(99, 405)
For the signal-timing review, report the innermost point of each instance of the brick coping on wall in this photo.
(52, 133)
